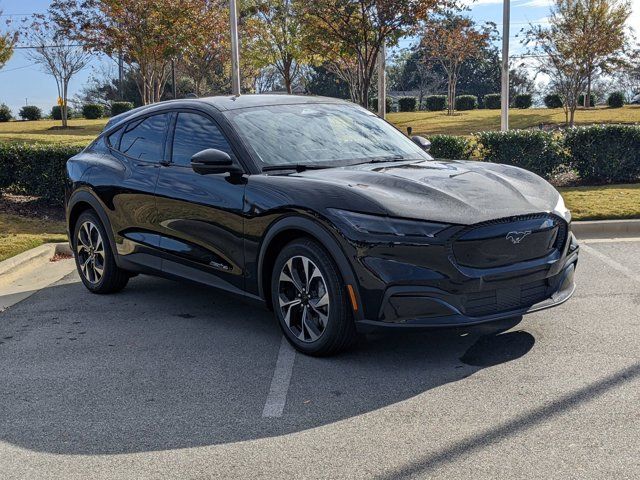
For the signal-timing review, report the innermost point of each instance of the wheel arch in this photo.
(291, 228)
(82, 201)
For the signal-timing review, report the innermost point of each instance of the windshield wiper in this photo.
(298, 167)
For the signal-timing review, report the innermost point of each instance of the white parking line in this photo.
(612, 263)
(277, 398)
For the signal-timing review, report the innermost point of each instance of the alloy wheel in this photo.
(90, 252)
(304, 298)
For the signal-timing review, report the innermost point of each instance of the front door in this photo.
(200, 216)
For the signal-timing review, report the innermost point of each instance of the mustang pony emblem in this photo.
(517, 237)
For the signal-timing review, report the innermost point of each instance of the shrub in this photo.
(92, 111)
(373, 104)
(30, 112)
(435, 103)
(5, 113)
(35, 169)
(535, 150)
(450, 147)
(466, 102)
(492, 101)
(616, 100)
(56, 112)
(120, 107)
(592, 100)
(407, 104)
(605, 153)
(522, 100)
(553, 100)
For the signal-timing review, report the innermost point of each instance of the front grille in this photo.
(508, 241)
(502, 300)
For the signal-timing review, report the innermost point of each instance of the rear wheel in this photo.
(309, 300)
(94, 258)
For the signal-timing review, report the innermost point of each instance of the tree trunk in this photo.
(63, 107)
(587, 97)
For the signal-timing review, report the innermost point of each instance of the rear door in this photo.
(127, 187)
(200, 216)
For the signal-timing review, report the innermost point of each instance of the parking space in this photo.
(171, 380)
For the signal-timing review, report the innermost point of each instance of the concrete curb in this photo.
(43, 252)
(606, 228)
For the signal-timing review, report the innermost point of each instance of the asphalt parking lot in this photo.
(168, 380)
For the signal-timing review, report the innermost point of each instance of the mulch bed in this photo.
(28, 206)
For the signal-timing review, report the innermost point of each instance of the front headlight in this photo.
(377, 225)
(561, 210)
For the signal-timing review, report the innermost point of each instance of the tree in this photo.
(606, 36)
(146, 33)
(208, 48)
(281, 42)
(56, 53)
(321, 81)
(7, 42)
(347, 35)
(562, 49)
(453, 40)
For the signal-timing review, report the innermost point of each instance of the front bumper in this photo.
(419, 296)
(408, 307)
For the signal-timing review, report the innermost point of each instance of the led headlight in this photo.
(561, 210)
(397, 227)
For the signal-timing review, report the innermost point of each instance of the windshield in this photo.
(321, 134)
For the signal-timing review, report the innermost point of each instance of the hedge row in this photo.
(35, 169)
(599, 153)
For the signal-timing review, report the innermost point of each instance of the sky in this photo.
(23, 82)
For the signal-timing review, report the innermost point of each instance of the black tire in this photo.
(112, 279)
(338, 330)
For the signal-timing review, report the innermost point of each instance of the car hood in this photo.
(461, 192)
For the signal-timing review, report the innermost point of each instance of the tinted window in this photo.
(144, 139)
(193, 134)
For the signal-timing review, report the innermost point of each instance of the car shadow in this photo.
(164, 365)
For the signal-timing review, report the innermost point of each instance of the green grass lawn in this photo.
(606, 202)
(43, 131)
(473, 121)
(20, 233)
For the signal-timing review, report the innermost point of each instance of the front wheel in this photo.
(94, 258)
(308, 297)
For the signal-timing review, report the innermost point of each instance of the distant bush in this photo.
(553, 100)
(92, 111)
(35, 169)
(605, 153)
(407, 104)
(616, 100)
(522, 100)
(535, 150)
(30, 112)
(435, 103)
(492, 101)
(466, 102)
(373, 104)
(56, 112)
(120, 107)
(450, 147)
(5, 113)
(592, 100)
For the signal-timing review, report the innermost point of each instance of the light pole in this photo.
(382, 83)
(504, 96)
(235, 55)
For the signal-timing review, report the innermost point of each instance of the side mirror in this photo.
(422, 142)
(212, 161)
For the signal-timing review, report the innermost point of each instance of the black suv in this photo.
(321, 210)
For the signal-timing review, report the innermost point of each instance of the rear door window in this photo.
(145, 139)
